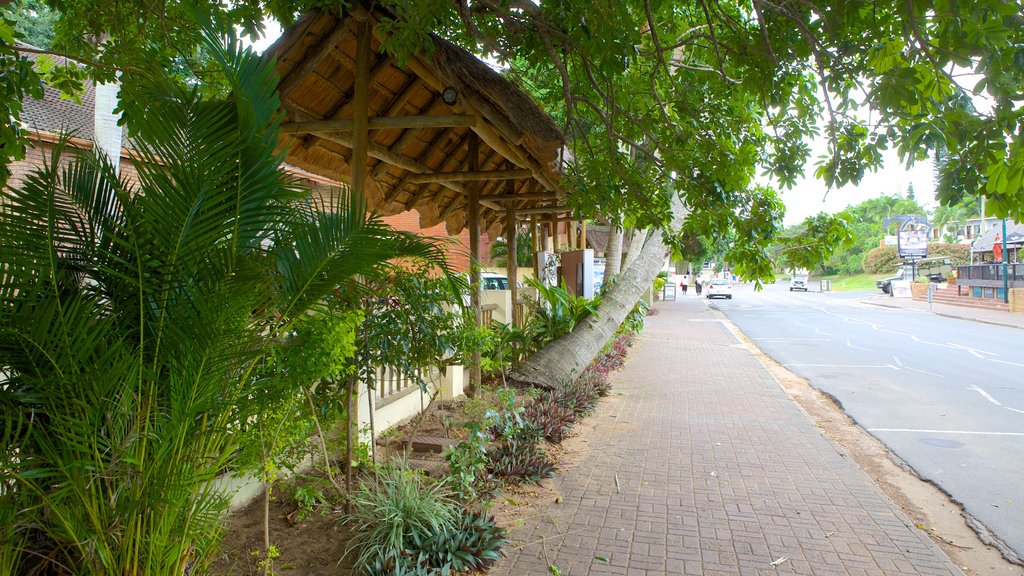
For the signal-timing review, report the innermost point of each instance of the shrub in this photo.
(474, 545)
(467, 465)
(885, 259)
(520, 461)
(881, 260)
(597, 381)
(551, 415)
(960, 254)
(396, 513)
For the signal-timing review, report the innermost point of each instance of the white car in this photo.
(719, 288)
(492, 281)
(798, 282)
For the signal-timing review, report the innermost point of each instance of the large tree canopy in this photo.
(694, 97)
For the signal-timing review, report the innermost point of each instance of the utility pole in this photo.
(1006, 278)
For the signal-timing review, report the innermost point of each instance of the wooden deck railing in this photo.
(519, 314)
(487, 314)
(991, 274)
(391, 380)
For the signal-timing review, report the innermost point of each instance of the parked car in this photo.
(719, 288)
(798, 282)
(934, 269)
(492, 281)
(885, 284)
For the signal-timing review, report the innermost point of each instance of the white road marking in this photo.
(1007, 362)
(925, 372)
(970, 432)
(989, 397)
(985, 395)
(898, 363)
(974, 351)
(793, 339)
(850, 344)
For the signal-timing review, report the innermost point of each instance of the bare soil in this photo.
(314, 542)
(930, 508)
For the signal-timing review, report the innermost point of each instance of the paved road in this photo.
(946, 395)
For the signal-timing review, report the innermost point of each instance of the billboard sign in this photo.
(912, 244)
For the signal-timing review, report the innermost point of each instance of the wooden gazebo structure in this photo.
(442, 133)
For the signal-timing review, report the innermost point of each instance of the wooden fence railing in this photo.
(391, 380)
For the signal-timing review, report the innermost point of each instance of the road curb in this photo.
(871, 302)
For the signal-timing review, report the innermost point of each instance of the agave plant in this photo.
(134, 320)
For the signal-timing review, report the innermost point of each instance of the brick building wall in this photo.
(41, 150)
(458, 252)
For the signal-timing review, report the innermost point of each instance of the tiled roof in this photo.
(55, 115)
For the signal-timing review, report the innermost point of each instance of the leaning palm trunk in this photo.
(613, 251)
(563, 360)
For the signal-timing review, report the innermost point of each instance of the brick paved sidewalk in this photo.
(701, 464)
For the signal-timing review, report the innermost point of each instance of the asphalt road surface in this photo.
(945, 395)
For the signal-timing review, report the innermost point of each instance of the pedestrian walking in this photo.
(697, 285)
(682, 286)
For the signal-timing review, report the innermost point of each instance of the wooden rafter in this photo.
(520, 196)
(470, 176)
(290, 82)
(379, 123)
(407, 137)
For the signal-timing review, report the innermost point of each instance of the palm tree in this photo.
(135, 323)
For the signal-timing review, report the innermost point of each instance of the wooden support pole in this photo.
(512, 267)
(535, 246)
(571, 233)
(554, 235)
(359, 159)
(360, 131)
(474, 257)
(583, 234)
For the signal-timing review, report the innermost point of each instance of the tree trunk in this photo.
(636, 243)
(563, 360)
(613, 252)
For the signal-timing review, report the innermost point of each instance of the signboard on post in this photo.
(901, 289)
(912, 244)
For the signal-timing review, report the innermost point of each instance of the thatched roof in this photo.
(597, 238)
(418, 144)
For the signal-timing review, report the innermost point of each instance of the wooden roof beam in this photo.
(408, 135)
(380, 123)
(470, 176)
(383, 154)
(307, 65)
(523, 196)
(543, 210)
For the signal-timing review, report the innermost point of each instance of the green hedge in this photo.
(884, 259)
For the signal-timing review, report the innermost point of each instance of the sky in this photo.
(809, 196)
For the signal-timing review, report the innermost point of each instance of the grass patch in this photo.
(855, 283)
